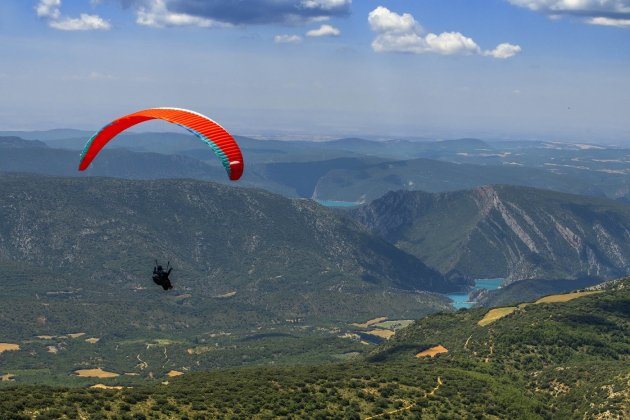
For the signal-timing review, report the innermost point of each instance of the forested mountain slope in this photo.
(507, 231)
(292, 257)
(550, 360)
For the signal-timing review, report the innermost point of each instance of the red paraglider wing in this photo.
(203, 127)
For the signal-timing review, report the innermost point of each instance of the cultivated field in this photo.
(565, 297)
(498, 313)
(174, 373)
(386, 334)
(371, 322)
(9, 347)
(433, 351)
(494, 314)
(95, 373)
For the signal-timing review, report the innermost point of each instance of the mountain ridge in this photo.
(506, 231)
(221, 239)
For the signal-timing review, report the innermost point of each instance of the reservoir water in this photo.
(460, 300)
(332, 203)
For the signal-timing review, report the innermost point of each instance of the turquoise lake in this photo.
(460, 300)
(331, 203)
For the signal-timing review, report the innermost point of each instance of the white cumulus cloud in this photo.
(84, 22)
(287, 39)
(604, 21)
(382, 19)
(403, 34)
(51, 10)
(324, 30)
(449, 43)
(504, 50)
(48, 8)
(575, 6)
(595, 12)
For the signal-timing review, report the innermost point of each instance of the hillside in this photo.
(290, 169)
(292, 257)
(527, 290)
(343, 170)
(550, 360)
(574, 168)
(14, 142)
(373, 181)
(406, 149)
(303, 177)
(507, 232)
(258, 278)
(32, 156)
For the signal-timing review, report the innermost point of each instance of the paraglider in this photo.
(215, 136)
(160, 276)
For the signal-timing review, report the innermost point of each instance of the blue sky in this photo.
(536, 69)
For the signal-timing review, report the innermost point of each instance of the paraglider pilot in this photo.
(160, 276)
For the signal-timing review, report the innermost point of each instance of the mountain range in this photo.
(351, 170)
(292, 296)
(506, 231)
(103, 235)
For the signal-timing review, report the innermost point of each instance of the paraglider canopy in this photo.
(215, 136)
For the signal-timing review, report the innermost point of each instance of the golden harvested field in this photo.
(92, 340)
(174, 373)
(9, 347)
(95, 373)
(6, 378)
(433, 351)
(494, 314)
(76, 335)
(498, 313)
(370, 322)
(565, 297)
(386, 334)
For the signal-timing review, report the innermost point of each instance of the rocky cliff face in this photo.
(504, 231)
